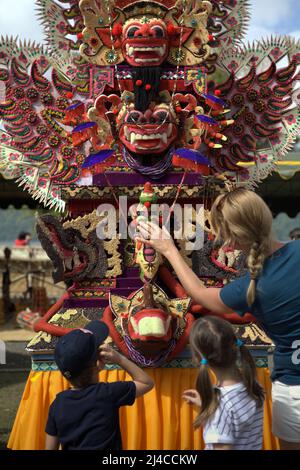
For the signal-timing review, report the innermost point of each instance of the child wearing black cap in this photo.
(86, 417)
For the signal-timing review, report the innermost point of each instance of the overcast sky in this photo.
(268, 17)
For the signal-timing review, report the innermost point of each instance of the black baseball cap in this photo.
(77, 349)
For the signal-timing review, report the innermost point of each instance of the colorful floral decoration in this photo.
(61, 107)
(135, 97)
(264, 104)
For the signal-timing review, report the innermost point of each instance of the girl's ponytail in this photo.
(209, 396)
(248, 371)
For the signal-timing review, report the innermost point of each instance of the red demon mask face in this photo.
(145, 43)
(151, 132)
(149, 334)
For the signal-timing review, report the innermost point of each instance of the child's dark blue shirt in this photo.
(88, 419)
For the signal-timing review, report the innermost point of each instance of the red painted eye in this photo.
(159, 31)
(131, 31)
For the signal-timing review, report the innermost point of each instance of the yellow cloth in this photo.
(159, 420)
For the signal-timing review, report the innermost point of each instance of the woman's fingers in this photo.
(143, 240)
(147, 225)
(144, 224)
(151, 230)
(155, 229)
(153, 225)
(144, 233)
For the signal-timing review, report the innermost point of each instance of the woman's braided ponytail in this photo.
(241, 219)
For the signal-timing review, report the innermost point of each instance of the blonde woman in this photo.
(270, 291)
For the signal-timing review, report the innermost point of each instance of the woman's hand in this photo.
(158, 238)
(192, 397)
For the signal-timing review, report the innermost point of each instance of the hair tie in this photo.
(204, 362)
(239, 343)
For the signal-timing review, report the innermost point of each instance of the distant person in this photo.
(295, 234)
(23, 239)
(86, 417)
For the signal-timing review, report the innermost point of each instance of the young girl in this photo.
(231, 412)
(270, 291)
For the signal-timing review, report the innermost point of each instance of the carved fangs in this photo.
(132, 136)
(133, 50)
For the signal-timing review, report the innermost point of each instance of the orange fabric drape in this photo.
(159, 420)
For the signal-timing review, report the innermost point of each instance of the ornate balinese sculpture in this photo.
(129, 92)
(149, 327)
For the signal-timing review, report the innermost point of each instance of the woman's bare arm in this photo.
(207, 297)
(160, 239)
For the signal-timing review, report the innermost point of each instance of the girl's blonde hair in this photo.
(242, 219)
(213, 339)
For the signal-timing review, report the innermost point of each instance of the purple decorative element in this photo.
(132, 282)
(98, 157)
(123, 291)
(138, 358)
(134, 179)
(206, 119)
(74, 106)
(156, 171)
(214, 99)
(84, 126)
(86, 303)
(132, 273)
(192, 155)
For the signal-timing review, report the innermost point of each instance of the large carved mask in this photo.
(145, 33)
(145, 42)
(145, 137)
(152, 132)
(146, 134)
(149, 329)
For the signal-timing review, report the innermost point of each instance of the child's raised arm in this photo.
(142, 380)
